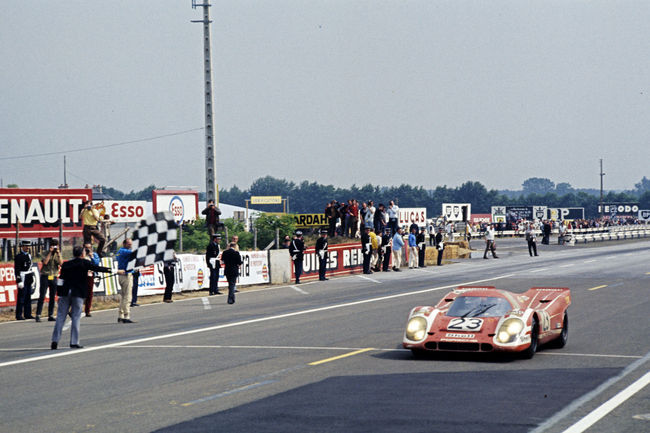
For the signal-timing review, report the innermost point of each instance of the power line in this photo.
(102, 146)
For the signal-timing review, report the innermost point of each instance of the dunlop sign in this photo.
(306, 220)
(266, 199)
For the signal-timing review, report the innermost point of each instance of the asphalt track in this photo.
(327, 357)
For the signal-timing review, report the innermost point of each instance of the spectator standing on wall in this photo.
(380, 219)
(398, 244)
(369, 220)
(24, 281)
(296, 250)
(214, 265)
(212, 213)
(321, 252)
(331, 213)
(125, 279)
(50, 267)
(363, 212)
(91, 219)
(393, 214)
(353, 211)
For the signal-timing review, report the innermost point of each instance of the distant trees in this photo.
(537, 185)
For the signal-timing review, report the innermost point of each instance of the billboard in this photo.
(310, 220)
(619, 209)
(125, 211)
(512, 214)
(457, 211)
(411, 215)
(37, 211)
(565, 213)
(266, 199)
(183, 204)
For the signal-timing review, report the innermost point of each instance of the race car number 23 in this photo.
(470, 324)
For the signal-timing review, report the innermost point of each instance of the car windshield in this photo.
(484, 306)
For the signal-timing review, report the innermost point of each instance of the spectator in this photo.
(212, 213)
(93, 257)
(235, 240)
(214, 265)
(386, 244)
(393, 214)
(126, 281)
(286, 242)
(369, 219)
(489, 242)
(232, 260)
(413, 249)
(366, 250)
(375, 242)
(296, 250)
(353, 220)
(50, 267)
(170, 277)
(440, 245)
(135, 287)
(91, 218)
(72, 289)
(331, 213)
(24, 281)
(422, 245)
(321, 252)
(380, 219)
(398, 244)
(547, 232)
(531, 238)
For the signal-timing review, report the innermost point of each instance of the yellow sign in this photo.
(306, 220)
(266, 199)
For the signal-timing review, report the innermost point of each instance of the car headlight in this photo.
(416, 328)
(509, 330)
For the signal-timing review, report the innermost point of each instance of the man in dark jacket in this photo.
(72, 289)
(24, 281)
(231, 260)
(296, 250)
(366, 249)
(421, 239)
(212, 259)
(386, 244)
(321, 252)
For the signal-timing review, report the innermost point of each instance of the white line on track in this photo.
(538, 270)
(567, 265)
(369, 279)
(589, 261)
(243, 322)
(206, 303)
(611, 404)
(573, 406)
(299, 290)
(427, 271)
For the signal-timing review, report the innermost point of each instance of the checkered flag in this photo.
(153, 240)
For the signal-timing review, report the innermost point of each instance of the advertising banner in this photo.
(254, 270)
(480, 218)
(619, 209)
(192, 273)
(310, 220)
(644, 215)
(342, 259)
(410, 215)
(8, 286)
(565, 213)
(183, 204)
(38, 211)
(266, 199)
(125, 211)
(457, 211)
(512, 214)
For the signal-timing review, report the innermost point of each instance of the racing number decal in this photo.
(465, 324)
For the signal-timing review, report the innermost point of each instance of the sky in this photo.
(340, 92)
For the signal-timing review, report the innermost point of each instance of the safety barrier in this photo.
(611, 233)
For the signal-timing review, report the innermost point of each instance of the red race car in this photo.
(485, 319)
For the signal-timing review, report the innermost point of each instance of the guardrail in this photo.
(611, 233)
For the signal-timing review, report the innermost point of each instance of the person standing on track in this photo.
(231, 260)
(50, 267)
(212, 258)
(489, 242)
(531, 238)
(321, 252)
(296, 251)
(126, 281)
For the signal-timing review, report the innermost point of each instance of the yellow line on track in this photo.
(345, 355)
(598, 287)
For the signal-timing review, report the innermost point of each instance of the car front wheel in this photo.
(534, 337)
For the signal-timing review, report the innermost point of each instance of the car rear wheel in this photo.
(561, 341)
(534, 337)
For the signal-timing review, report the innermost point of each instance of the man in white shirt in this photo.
(489, 242)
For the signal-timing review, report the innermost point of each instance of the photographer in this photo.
(212, 213)
(50, 267)
(94, 259)
(91, 218)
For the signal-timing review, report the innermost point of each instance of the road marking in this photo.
(226, 393)
(206, 303)
(590, 355)
(246, 322)
(539, 270)
(594, 416)
(598, 287)
(573, 406)
(589, 261)
(345, 355)
(568, 266)
(299, 290)
(369, 279)
(431, 272)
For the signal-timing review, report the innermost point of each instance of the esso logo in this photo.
(177, 208)
(126, 211)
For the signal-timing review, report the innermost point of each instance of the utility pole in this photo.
(211, 189)
(601, 187)
(65, 178)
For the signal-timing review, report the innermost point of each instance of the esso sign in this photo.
(177, 208)
(126, 211)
